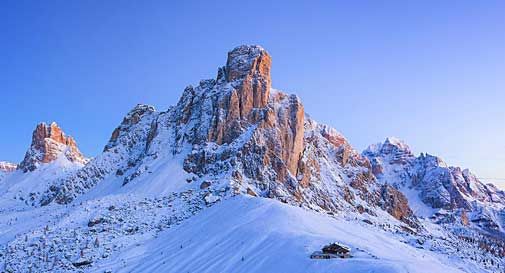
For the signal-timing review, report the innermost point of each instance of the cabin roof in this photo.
(336, 247)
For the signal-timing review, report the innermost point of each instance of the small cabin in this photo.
(333, 250)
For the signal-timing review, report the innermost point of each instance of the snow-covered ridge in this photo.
(428, 180)
(7, 166)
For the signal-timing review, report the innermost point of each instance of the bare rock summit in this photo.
(49, 142)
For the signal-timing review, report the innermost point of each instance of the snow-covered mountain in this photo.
(49, 143)
(236, 135)
(235, 178)
(50, 156)
(446, 194)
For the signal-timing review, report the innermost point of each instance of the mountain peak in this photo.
(248, 69)
(7, 166)
(243, 87)
(400, 144)
(143, 107)
(246, 60)
(133, 117)
(391, 145)
(48, 143)
(137, 112)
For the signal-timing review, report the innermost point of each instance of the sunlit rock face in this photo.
(239, 100)
(48, 143)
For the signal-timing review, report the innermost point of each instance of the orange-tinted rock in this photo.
(240, 100)
(290, 122)
(396, 204)
(464, 218)
(48, 143)
(248, 73)
(333, 137)
(377, 168)
(249, 66)
(308, 167)
(251, 192)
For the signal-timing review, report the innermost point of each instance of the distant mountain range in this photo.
(238, 178)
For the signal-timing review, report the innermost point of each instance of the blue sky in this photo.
(430, 72)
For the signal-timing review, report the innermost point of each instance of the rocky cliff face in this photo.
(439, 186)
(239, 101)
(48, 143)
(222, 110)
(247, 76)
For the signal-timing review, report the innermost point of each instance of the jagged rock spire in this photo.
(48, 143)
(249, 68)
(247, 72)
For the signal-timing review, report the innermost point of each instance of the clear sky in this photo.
(431, 72)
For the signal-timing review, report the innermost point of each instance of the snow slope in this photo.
(246, 234)
(25, 187)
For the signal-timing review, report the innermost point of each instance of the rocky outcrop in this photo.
(7, 166)
(221, 111)
(290, 124)
(246, 83)
(438, 185)
(245, 87)
(131, 119)
(464, 218)
(48, 143)
(248, 69)
(396, 204)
